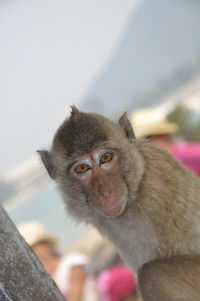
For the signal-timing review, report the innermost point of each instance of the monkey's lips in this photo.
(109, 208)
(115, 210)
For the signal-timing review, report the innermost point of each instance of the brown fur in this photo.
(170, 279)
(159, 226)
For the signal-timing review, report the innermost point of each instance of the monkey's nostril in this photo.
(106, 194)
(103, 191)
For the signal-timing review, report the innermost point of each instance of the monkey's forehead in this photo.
(82, 134)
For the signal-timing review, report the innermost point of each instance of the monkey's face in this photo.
(99, 175)
(96, 165)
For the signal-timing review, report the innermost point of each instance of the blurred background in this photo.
(103, 56)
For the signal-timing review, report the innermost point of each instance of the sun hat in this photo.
(151, 121)
(34, 232)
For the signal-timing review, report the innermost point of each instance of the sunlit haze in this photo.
(50, 52)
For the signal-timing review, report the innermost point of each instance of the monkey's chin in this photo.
(111, 211)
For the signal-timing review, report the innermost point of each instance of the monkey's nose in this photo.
(103, 192)
(106, 194)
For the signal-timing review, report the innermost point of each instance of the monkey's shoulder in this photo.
(161, 165)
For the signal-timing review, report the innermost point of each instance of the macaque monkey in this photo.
(137, 195)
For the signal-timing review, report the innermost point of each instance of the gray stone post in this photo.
(22, 278)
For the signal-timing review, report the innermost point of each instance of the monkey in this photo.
(137, 195)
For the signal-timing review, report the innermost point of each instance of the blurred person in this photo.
(150, 123)
(118, 283)
(70, 272)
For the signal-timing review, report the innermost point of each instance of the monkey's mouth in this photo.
(110, 211)
(115, 210)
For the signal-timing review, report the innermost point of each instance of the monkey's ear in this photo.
(46, 159)
(127, 127)
(74, 111)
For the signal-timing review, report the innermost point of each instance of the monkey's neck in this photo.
(133, 238)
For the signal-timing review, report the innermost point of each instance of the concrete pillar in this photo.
(22, 277)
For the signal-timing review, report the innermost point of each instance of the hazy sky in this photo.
(49, 53)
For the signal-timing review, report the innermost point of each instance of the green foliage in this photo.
(183, 118)
(195, 132)
(179, 116)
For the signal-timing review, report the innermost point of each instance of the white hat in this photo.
(151, 121)
(34, 232)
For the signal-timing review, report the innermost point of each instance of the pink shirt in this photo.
(116, 283)
(188, 153)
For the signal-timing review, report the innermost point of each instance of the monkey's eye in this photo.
(82, 168)
(106, 157)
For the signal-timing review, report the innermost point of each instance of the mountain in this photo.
(158, 52)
